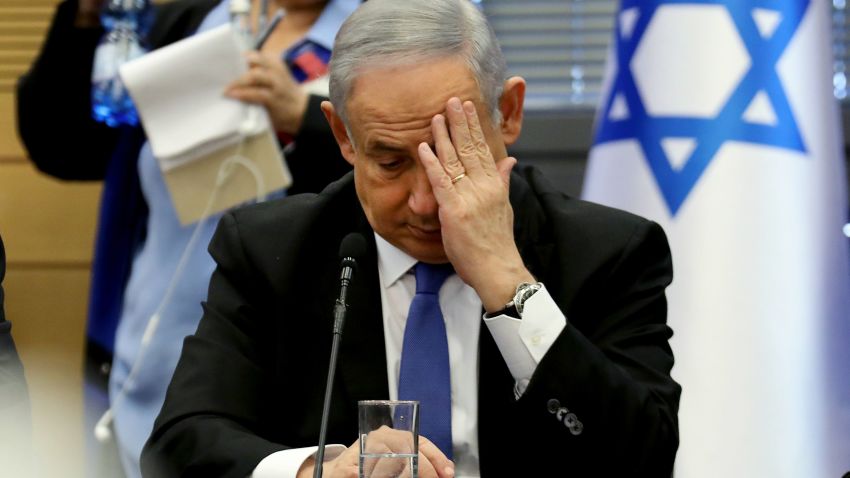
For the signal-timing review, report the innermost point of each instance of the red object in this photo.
(311, 65)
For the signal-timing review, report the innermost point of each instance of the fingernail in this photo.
(455, 104)
(470, 108)
(449, 471)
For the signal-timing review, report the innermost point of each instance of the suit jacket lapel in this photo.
(363, 358)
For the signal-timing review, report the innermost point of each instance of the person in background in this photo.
(139, 239)
(531, 326)
(15, 452)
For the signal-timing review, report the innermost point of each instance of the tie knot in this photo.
(430, 277)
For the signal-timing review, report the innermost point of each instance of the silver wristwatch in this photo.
(523, 291)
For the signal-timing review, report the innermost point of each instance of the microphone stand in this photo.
(340, 309)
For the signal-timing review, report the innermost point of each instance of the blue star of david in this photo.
(729, 124)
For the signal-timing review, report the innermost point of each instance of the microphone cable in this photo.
(103, 430)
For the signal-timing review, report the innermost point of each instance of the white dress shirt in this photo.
(523, 343)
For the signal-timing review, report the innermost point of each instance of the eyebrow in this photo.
(381, 146)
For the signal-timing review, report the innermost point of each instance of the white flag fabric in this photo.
(719, 123)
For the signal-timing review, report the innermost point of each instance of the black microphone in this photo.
(352, 247)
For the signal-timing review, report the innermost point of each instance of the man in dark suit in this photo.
(14, 399)
(569, 375)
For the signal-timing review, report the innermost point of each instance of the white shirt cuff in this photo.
(523, 343)
(286, 463)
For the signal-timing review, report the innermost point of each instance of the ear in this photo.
(510, 105)
(346, 147)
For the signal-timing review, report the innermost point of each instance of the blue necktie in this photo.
(425, 373)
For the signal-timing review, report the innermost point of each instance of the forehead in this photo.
(407, 97)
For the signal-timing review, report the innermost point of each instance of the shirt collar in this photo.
(392, 261)
(323, 32)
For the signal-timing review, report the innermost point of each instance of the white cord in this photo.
(102, 430)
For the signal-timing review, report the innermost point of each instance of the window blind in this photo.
(22, 25)
(560, 47)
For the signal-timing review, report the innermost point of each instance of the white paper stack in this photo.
(193, 128)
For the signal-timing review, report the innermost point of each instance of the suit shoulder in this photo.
(582, 217)
(591, 251)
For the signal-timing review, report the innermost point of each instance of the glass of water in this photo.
(389, 438)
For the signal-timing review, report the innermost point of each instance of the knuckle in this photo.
(454, 163)
(468, 148)
(481, 146)
(444, 181)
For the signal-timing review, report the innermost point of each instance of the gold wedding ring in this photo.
(458, 177)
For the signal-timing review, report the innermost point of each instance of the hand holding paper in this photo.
(270, 84)
(193, 128)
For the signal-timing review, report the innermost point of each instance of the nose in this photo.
(422, 201)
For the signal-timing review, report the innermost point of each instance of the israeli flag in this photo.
(718, 122)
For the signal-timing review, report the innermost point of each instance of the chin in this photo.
(428, 249)
(428, 253)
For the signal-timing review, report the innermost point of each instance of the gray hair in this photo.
(403, 32)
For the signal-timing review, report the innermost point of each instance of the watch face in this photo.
(523, 292)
